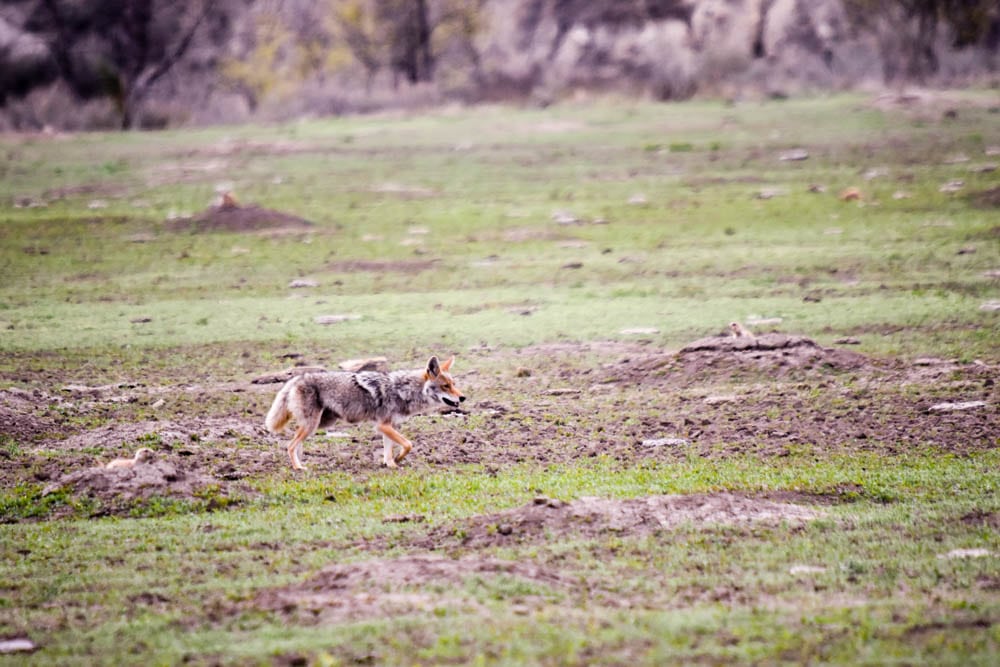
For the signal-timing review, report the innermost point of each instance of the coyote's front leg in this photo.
(391, 435)
(388, 457)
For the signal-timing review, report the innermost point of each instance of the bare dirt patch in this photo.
(987, 199)
(546, 518)
(776, 353)
(117, 490)
(20, 420)
(550, 404)
(391, 587)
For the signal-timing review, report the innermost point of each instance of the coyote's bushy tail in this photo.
(279, 414)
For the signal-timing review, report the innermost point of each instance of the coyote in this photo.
(319, 399)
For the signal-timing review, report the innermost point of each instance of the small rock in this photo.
(334, 319)
(639, 331)
(794, 155)
(769, 193)
(563, 392)
(806, 569)
(966, 250)
(847, 341)
(18, 645)
(966, 553)
(638, 199)
(97, 203)
(158, 404)
(573, 265)
(952, 186)
(992, 273)
(523, 372)
(816, 188)
(958, 158)
(418, 231)
(564, 218)
(990, 306)
(952, 407)
(901, 194)
(141, 320)
(716, 400)
(983, 168)
(665, 442)
(505, 529)
(300, 283)
(875, 172)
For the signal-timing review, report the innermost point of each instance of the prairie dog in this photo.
(144, 455)
(739, 331)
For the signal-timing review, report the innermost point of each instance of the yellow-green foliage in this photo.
(268, 69)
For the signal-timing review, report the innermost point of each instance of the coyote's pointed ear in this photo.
(433, 367)
(446, 366)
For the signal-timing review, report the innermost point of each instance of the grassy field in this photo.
(605, 496)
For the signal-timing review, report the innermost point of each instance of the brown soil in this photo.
(119, 488)
(244, 218)
(987, 199)
(22, 416)
(554, 404)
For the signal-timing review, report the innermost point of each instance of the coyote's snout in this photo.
(320, 399)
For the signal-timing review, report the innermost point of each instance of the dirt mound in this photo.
(547, 517)
(380, 588)
(116, 490)
(19, 418)
(774, 353)
(986, 198)
(242, 218)
(171, 433)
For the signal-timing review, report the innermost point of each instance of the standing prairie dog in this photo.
(739, 331)
(144, 455)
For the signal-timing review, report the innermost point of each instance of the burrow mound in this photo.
(774, 351)
(119, 490)
(774, 354)
(182, 436)
(240, 218)
(380, 588)
(590, 517)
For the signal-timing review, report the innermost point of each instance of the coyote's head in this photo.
(438, 385)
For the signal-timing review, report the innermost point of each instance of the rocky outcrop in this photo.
(667, 49)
